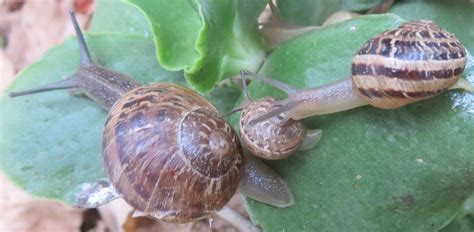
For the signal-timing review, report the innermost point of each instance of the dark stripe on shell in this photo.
(404, 74)
(140, 100)
(374, 93)
(413, 49)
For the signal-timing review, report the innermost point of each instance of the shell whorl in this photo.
(415, 61)
(169, 154)
(269, 139)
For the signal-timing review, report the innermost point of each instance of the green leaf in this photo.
(223, 98)
(51, 141)
(464, 222)
(448, 14)
(314, 12)
(119, 17)
(209, 39)
(230, 41)
(468, 206)
(408, 169)
(460, 224)
(176, 26)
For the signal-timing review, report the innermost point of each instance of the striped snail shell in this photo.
(271, 139)
(415, 61)
(169, 155)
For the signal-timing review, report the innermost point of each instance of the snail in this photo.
(169, 153)
(416, 61)
(271, 139)
(166, 150)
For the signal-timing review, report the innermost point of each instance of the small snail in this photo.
(166, 150)
(413, 62)
(271, 139)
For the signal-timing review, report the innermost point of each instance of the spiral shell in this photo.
(270, 139)
(169, 155)
(415, 61)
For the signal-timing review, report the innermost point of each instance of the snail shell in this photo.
(415, 61)
(271, 139)
(196, 142)
(169, 155)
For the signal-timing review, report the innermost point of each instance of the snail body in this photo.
(166, 150)
(103, 85)
(413, 62)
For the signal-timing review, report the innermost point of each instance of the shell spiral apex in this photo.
(270, 139)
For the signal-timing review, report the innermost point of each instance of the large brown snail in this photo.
(166, 150)
(413, 62)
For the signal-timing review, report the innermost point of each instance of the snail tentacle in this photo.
(280, 110)
(84, 52)
(288, 89)
(68, 83)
